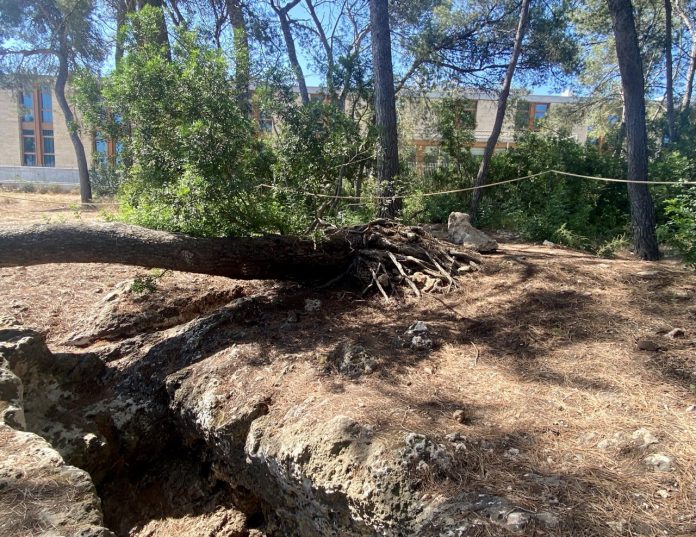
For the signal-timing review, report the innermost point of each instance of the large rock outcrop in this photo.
(39, 493)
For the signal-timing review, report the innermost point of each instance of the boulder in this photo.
(460, 231)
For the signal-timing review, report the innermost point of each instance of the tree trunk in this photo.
(356, 251)
(385, 108)
(328, 50)
(290, 45)
(245, 258)
(241, 56)
(500, 113)
(82, 167)
(630, 65)
(669, 78)
(691, 71)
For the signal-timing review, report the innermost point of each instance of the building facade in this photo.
(35, 145)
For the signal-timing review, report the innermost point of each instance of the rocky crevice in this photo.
(188, 433)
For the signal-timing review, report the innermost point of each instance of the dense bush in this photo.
(578, 212)
(191, 160)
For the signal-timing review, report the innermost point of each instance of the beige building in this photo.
(34, 142)
(525, 112)
(35, 145)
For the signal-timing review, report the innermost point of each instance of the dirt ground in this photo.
(545, 351)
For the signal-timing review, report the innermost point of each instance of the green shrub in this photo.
(579, 211)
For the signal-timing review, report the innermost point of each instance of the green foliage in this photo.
(318, 149)
(609, 248)
(191, 160)
(574, 211)
(106, 178)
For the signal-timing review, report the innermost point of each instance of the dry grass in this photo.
(49, 207)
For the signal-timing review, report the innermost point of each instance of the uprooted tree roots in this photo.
(383, 254)
(394, 255)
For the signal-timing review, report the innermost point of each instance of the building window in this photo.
(46, 105)
(26, 99)
(107, 151)
(537, 112)
(49, 148)
(36, 116)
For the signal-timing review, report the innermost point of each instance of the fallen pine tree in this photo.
(382, 254)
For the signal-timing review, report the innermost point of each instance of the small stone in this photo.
(662, 493)
(422, 466)
(517, 521)
(463, 269)
(512, 452)
(691, 408)
(421, 343)
(454, 437)
(459, 416)
(683, 294)
(675, 333)
(644, 438)
(659, 462)
(418, 327)
(548, 244)
(548, 520)
(312, 305)
(429, 370)
(648, 345)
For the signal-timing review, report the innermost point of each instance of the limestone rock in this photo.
(460, 231)
(51, 494)
(123, 313)
(659, 462)
(352, 359)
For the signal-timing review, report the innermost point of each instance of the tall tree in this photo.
(631, 68)
(502, 107)
(690, 24)
(242, 67)
(51, 37)
(385, 108)
(669, 76)
(284, 19)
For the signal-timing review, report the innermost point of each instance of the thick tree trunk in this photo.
(266, 257)
(82, 167)
(385, 108)
(630, 65)
(500, 113)
(669, 78)
(241, 56)
(370, 253)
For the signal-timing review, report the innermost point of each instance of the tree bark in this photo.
(282, 13)
(669, 77)
(500, 113)
(268, 257)
(82, 167)
(630, 65)
(241, 56)
(691, 71)
(385, 108)
(357, 251)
